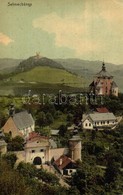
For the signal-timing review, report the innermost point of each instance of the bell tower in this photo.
(103, 83)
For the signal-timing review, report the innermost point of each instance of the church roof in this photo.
(23, 120)
(103, 72)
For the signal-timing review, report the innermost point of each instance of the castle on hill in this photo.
(103, 83)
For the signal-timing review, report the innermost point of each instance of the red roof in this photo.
(34, 135)
(63, 161)
(102, 110)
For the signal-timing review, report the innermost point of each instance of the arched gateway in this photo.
(37, 161)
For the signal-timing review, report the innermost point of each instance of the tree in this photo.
(16, 144)
(27, 170)
(48, 177)
(10, 158)
(49, 118)
(112, 171)
(11, 182)
(70, 117)
(62, 130)
(41, 119)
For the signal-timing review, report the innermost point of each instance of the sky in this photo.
(85, 29)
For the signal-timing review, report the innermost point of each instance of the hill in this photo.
(8, 65)
(46, 74)
(35, 61)
(41, 79)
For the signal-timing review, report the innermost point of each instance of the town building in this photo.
(19, 124)
(99, 120)
(37, 149)
(103, 83)
(65, 165)
(40, 151)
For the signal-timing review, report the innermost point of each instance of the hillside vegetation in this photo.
(49, 75)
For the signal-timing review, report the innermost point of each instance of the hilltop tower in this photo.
(103, 83)
(75, 147)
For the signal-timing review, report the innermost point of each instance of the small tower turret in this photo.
(75, 147)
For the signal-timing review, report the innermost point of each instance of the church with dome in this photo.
(103, 83)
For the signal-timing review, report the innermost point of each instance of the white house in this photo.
(96, 120)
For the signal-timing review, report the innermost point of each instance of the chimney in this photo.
(60, 161)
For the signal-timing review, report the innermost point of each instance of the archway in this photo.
(37, 161)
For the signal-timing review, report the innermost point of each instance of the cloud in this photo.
(95, 31)
(4, 39)
(71, 32)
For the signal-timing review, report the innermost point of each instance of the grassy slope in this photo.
(49, 75)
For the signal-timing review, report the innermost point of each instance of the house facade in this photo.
(20, 124)
(103, 83)
(65, 165)
(37, 150)
(98, 120)
(40, 149)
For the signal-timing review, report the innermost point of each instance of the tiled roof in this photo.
(114, 85)
(102, 116)
(92, 84)
(63, 161)
(54, 132)
(34, 135)
(102, 110)
(23, 120)
(103, 73)
(75, 138)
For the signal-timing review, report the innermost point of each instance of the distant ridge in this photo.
(83, 68)
(35, 61)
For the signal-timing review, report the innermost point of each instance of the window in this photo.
(103, 122)
(107, 122)
(33, 151)
(41, 150)
(89, 124)
(86, 124)
(10, 133)
(106, 90)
